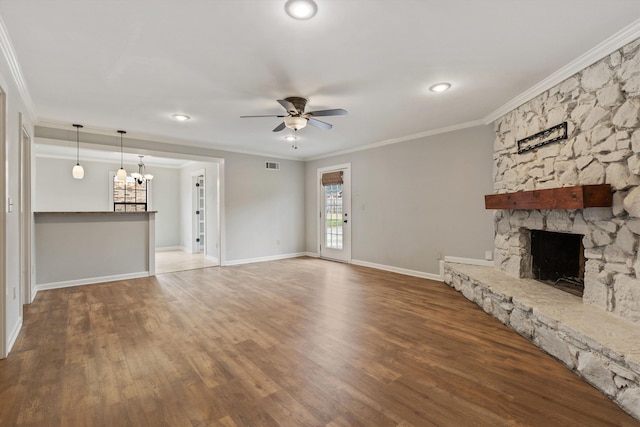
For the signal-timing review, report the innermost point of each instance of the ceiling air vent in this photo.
(273, 165)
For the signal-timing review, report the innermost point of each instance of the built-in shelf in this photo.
(578, 197)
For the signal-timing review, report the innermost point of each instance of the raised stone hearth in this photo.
(597, 336)
(601, 348)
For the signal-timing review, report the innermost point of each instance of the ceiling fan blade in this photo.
(269, 115)
(279, 127)
(319, 124)
(291, 109)
(333, 112)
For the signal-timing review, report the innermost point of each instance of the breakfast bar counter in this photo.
(79, 248)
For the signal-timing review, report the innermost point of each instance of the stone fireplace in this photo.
(597, 336)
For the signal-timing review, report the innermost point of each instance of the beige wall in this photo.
(415, 200)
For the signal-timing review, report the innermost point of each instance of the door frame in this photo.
(26, 217)
(346, 167)
(3, 224)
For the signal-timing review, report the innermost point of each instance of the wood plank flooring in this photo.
(299, 342)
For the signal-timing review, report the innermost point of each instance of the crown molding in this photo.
(16, 71)
(621, 38)
(411, 137)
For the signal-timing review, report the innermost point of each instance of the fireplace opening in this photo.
(558, 260)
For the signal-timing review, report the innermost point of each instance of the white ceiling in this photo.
(131, 64)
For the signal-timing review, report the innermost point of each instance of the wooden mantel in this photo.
(578, 197)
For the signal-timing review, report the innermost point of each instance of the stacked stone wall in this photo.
(601, 105)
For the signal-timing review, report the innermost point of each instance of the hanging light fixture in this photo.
(142, 175)
(295, 122)
(77, 171)
(122, 174)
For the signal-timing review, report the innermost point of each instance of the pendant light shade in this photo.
(78, 170)
(122, 174)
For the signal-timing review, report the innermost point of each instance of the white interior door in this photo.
(199, 214)
(335, 213)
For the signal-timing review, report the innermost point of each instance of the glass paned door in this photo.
(335, 219)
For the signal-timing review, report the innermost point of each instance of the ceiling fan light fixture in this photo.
(290, 138)
(440, 87)
(295, 122)
(301, 9)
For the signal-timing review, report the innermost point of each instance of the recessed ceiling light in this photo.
(181, 117)
(301, 9)
(440, 87)
(290, 138)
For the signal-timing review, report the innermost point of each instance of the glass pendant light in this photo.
(122, 174)
(78, 170)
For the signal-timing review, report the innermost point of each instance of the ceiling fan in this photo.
(298, 119)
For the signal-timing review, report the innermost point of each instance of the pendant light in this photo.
(78, 171)
(122, 174)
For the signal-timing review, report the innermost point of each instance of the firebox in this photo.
(558, 260)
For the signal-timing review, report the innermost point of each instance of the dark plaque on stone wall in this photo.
(547, 136)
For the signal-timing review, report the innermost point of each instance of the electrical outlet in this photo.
(488, 255)
(439, 255)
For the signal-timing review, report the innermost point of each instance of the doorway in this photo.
(335, 210)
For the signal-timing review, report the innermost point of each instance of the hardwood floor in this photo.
(299, 342)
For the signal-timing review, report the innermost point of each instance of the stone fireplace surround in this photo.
(597, 337)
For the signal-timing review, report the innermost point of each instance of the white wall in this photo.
(57, 190)
(165, 198)
(415, 200)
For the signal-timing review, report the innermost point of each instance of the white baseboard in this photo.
(469, 261)
(398, 270)
(14, 335)
(263, 259)
(170, 248)
(312, 254)
(34, 292)
(91, 281)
